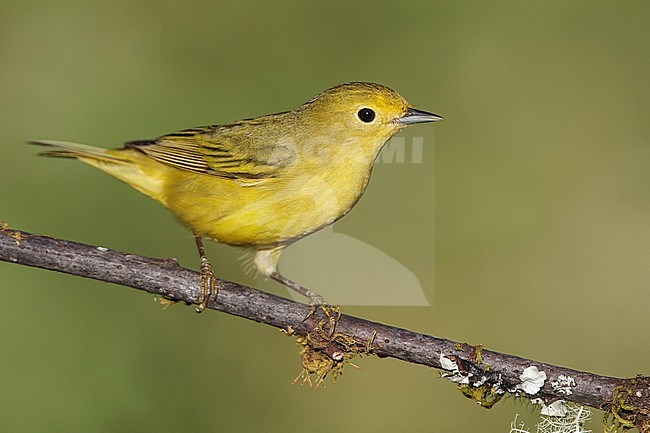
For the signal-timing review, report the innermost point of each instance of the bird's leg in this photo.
(208, 283)
(314, 297)
(266, 261)
(316, 300)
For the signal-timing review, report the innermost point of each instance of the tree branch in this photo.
(475, 368)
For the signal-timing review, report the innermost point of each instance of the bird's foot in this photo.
(207, 285)
(332, 312)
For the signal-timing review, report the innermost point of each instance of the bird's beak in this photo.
(413, 115)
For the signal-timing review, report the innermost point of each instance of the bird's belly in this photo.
(268, 213)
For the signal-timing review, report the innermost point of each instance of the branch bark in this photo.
(476, 368)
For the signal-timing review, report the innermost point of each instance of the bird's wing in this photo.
(239, 150)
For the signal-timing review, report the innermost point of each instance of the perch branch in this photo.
(480, 367)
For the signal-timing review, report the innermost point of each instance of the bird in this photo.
(262, 182)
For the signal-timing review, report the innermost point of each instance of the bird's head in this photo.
(359, 115)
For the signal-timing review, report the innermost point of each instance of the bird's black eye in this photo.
(366, 115)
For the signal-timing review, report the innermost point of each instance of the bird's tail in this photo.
(127, 165)
(66, 149)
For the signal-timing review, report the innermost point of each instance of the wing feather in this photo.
(249, 149)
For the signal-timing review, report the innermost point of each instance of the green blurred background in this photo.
(527, 224)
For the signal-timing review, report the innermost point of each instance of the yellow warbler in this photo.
(263, 182)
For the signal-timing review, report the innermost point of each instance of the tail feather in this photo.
(67, 149)
(127, 165)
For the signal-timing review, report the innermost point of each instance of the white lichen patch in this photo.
(447, 363)
(532, 380)
(557, 408)
(480, 382)
(573, 421)
(563, 384)
(570, 418)
(452, 372)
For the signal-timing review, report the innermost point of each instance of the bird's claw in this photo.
(332, 313)
(207, 285)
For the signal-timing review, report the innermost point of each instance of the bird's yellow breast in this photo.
(269, 211)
